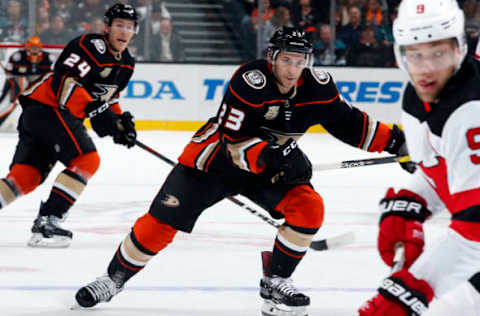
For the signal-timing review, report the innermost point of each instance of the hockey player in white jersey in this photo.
(441, 120)
(477, 51)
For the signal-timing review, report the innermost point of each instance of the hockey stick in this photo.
(322, 244)
(358, 163)
(399, 258)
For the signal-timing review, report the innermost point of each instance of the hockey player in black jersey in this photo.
(250, 148)
(23, 67)
(85, 83)
(441, 119)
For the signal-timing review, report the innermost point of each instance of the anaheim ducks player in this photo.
(23, 67)
(87, 79)
(249, 148)
(441, 117)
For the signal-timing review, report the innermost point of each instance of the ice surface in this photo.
(213, 271)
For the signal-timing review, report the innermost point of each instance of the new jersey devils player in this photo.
(441, 118)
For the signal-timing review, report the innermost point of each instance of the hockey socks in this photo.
(147, 238)
(67, 188)
(290, 247)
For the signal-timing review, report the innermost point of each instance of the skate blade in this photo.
(38, 241)
(271, 308)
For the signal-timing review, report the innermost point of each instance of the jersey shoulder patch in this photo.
(99, 45)
(255, 79)
(322, 77)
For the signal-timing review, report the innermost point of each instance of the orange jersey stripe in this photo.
(381, 138)
(68, 131)
(318, 102)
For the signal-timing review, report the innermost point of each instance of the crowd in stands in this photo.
(362, 33)
(59, 21)
(363, 28)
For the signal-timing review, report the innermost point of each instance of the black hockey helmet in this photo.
(122, 11)
(290, 39)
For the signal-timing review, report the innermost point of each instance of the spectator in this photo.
(350, 33)
(305, 15)
(169, 46)
(97, 25)
(15, 29)
(248, 32)
(65, 9)
(344, 8)
(470, 8)
(57, 33)
(386, 29)
(323, 56)
(43, 19)
(86, 11)
(368, 52)
(280, 18)
(267, 12)
(373, 13)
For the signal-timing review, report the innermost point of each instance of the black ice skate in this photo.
(100, 290)
(281, 297)
(46, 232)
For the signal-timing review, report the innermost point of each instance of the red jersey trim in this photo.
(318, 102)
(80, 43)
(465, 199)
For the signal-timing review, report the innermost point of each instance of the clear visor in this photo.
(428, 58)
(300, 63)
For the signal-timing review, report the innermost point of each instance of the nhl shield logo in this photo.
(99, 45)
(272, 112)
(255, 79)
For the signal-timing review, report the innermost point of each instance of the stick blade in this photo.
(333, 242)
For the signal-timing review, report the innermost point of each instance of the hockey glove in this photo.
(125, 133)
(401, 294)
(104, 123)
(397, 146)
(403, 214)
(286, 163)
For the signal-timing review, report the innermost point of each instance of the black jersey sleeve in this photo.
(343, 120)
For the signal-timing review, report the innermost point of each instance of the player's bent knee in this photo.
(151, 235)
(86, 164)
(25, 178)
(302, 207)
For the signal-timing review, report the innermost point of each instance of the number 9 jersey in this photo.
(86, 70)
(444, 137)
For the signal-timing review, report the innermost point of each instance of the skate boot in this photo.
(46, 232)
(281, 297)
(100, 290)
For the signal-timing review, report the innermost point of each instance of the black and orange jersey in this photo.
(254, 113)
(18, 65)
(85, 71)
(21, 72)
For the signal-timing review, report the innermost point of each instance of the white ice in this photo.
(213, 271)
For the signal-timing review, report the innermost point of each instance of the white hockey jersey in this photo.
(445, 139)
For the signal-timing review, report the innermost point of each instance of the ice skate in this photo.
(100, 290)
(47, 233)
(281, 297)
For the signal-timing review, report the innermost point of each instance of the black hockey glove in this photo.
(286, 163)
(105, 123)
(125, 133)
(397, 146)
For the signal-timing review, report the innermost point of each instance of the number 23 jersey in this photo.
(85, 71)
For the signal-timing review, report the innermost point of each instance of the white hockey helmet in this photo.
(423, 21)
